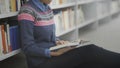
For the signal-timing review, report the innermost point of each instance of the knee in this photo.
(92, 46)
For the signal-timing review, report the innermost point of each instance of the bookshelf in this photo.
(8, 10)
(9, 54)
(95, 12)
(75, 15)
(10, 14)
(85, 1)
(62, 6)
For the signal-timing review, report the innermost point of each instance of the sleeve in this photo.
(57, 38)
(56, 11)
(28, 43)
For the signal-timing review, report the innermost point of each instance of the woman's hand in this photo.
(61, 42)
(46, 1)
(61, 51)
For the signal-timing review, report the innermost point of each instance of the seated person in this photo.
(37, 30)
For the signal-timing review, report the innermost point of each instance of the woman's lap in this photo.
(85, 55)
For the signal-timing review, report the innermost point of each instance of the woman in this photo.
(38, 35)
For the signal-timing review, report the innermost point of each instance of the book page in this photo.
(70, 44)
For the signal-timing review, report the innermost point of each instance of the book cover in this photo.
(8, 37)
(12, 38)
(72, 17)
(16, 37)
(1, 44)
(18, 5)
(65, 45)
(13, 5)
(2, 6)
(75, 44)
(56, 19)
(66, 19)
(7, 5)
(4, 40)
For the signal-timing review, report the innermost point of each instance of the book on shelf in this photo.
(102, 8)
(80, 16)
(64, 20)
(75, 44)
(72, 17)
(114, 6)
(60, 2)
(57, 19)
(4, 39)
(6, 3)
(1, 43)
(9, 37)
(7, 6)
(63, 1)
(14, 39)
(18, 5)
(2, 6)
(99, 8)
(13, 5)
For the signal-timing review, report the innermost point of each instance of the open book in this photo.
(70, 44)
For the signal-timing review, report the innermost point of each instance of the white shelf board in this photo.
(100, 0)
(106, 15)
(62, 6)
(115, 12)
(102, 16)
(85, 23)
(10, 14)
(9, 54)
(66, 31)
(85, 2)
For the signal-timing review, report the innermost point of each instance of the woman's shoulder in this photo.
(26, 8)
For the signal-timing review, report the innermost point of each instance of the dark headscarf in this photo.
(40, 5)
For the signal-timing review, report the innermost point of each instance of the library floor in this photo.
(107, 36)
(17, 61)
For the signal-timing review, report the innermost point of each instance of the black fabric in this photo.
(89, 56)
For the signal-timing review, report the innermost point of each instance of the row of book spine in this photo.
(115, 5)
(103, 7)
(7, 6)
(9, 38)
(59, 2)
(65, 20)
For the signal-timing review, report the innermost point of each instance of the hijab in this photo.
(40, 5)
